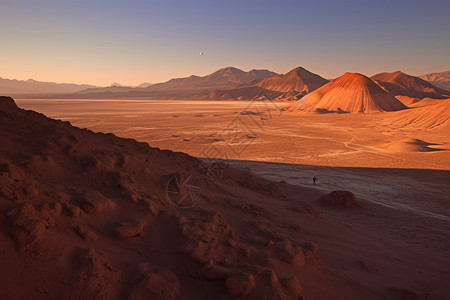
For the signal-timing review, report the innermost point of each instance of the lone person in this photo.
(314, 179)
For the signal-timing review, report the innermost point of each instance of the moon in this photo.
(201, 52)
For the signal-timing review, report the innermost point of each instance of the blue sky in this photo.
(134, 41)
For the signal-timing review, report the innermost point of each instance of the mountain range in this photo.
(225, 84)
(13, 86)
(224, 78)
(231, 83)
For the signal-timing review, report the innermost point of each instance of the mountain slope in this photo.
(351, 92)
(399, 83)
(297, 80)
(441, 80)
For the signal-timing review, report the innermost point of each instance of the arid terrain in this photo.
(224, 150)
(373, 155)
(262, 131)
(101, 209)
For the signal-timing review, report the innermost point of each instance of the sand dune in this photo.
(398, 83)
(408, 145)
(297, 80)
(351, 92)
(426, 114)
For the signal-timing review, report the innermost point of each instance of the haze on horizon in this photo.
(101, 42)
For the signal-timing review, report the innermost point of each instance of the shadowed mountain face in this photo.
(441, 80)
(12, 86)
(297, 80)
(223, 78)
(351, 92)
(401, 84)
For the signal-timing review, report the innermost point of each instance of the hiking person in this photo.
(314, 179)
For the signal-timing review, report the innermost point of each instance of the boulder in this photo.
(340, 199)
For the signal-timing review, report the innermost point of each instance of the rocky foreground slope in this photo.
(85, 216)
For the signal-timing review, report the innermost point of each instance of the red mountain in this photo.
(351, 92)
(401, 84)
(297, 80)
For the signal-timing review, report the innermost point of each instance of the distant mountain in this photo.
(212, 86)
(144, 85)
(441, 80)
(296, 80)
(401, 84)
(224, 78)
(16, 87)
(115, 84)
(352, 92)
(108, 89)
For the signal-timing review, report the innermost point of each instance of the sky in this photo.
(133, 41)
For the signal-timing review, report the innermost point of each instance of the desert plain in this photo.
(381, 157)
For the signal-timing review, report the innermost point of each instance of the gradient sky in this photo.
(134, 41)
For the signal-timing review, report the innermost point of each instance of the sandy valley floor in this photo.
(257, 131)
(356, 152)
